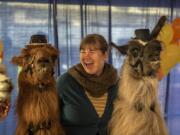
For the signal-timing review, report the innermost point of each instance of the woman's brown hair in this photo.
(96, 41)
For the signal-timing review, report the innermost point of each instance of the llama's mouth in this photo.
(149, 69)
(42, 74)
(154, 65)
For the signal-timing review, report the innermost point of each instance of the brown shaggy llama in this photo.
(37, 101)
(136, 108)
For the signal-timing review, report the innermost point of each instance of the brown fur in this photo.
(37, 101)
(132, 114)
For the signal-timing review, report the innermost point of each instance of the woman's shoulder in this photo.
(66, 85)
(66, 81)
(65, 78)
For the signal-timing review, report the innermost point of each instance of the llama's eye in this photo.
(43, 61)
(134, 52)
(40, 61)
(46, 61)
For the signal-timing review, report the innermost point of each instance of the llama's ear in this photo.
(157, 45)
(158, 27)
(20, 60)
(122, 49)
(53, 52)
(23, 58)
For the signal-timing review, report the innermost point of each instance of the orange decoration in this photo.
(176, 29)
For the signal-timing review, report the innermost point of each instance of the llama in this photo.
(37, 102)
(136, 108)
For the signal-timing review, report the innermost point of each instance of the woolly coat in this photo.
(78, 115)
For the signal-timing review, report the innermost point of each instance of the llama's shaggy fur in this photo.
(136, 109)
(5, 92)
(37, 101)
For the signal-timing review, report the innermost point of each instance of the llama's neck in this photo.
(137, 90)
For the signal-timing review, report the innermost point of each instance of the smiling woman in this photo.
(93, 54)
(88, 89)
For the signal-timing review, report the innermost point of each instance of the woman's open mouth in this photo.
(88, 64)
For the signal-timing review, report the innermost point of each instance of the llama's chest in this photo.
(139, 92)
(37, 107)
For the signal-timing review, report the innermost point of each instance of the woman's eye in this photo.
(82, 51)
(92, 51)
(88, 51)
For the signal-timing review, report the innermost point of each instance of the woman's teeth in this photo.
(88, 63)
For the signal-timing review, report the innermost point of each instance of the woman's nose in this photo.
(86, 53)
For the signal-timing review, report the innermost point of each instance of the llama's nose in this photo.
(156, 58)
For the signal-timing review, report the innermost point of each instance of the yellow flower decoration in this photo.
(170, 55)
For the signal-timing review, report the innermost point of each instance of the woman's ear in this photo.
(106, 56)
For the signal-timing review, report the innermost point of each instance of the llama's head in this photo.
(143, 58)
(143, 52)
(37, 61)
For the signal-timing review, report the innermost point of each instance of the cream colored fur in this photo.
(126, 120)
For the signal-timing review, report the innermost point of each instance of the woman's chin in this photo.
(91, 72)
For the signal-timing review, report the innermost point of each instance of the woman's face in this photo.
(93, 60)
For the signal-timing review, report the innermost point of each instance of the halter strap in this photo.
(33, 129)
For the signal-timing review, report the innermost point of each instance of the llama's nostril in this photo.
(150, 73)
